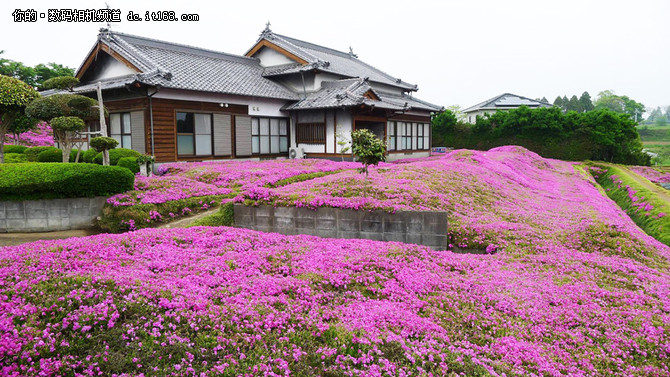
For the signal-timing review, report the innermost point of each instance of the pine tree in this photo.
(544, 99)
(573, 104)
(558, 102)
(585, 102)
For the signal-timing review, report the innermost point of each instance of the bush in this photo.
(225, 216)
(13, 158)
(116, 154)
(60, 82)
(50, 155)
(103, 143)
(32, 153)
(59, 180)
(130, 163)
(73, 155)
(15, 149)
(89, 156)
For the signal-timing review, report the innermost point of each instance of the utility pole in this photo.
(103, 125)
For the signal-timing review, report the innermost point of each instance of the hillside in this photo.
(575, 287)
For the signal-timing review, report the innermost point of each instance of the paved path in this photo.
(182, 223)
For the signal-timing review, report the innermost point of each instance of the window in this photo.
(119, 128)
(194, 134)
(407, 136)
(311, 133)
(419, 135)
(269, 135)
(426, 135)
(391, 133)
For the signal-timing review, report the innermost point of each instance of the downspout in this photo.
(151, 117)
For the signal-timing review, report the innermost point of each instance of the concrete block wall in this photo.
(49, 215)
(417, 227)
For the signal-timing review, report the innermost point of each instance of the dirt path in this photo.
(659, 191)
(9, 239)
(182, 223)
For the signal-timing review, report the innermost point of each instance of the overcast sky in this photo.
(458, 52)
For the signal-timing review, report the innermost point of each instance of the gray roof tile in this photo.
(506, 101)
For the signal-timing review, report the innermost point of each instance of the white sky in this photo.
(458, 52)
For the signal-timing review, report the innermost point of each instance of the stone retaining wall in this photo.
(49, 215)
(417, 227)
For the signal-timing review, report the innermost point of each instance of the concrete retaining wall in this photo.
(49, 215)
(422, 228)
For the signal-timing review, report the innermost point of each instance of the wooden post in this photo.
(103, 125)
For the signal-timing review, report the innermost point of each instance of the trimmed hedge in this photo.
(32, 153)
(129, 163)
(116, 154)
(50, 155)
(14, 158)
(58, 180)
(15, 148)
(89, 156)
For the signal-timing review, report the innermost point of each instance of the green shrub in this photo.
(31, 153)
(14, 158)
(89, 155)
(15, 148)
(60, 82)
(130, 163)
(59, 180)
(103, 143)
(73, 155)
(116, 154)
(50, 155)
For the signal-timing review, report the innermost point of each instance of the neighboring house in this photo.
(505, 101)
(183, 103)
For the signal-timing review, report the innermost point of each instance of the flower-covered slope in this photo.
(226, 301)
(507, 196)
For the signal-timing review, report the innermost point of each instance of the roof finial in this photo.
(109, 26)
(266, 32)
(351, 52)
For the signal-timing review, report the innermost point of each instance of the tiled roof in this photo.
(506, 101)
(330, 60)
(179, 66)
(351, 92)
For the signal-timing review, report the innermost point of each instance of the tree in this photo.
(566, 103)
(585, 102)
(15, 95)
(607, 99)
(443, 125)
(573, 104)
(65, 130)
(367, 148)
(64, 105)
(60, 82)
(343, 142)
(33, 76)
(22, 123)
(558, 102)
(544, 99)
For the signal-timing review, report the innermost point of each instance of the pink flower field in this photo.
(574, 289)
(652, 174)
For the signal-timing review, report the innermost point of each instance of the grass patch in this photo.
(301, 178)
(647, 210)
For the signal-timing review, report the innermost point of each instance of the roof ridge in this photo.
(346, 55)
(284, 38)
(189, 47)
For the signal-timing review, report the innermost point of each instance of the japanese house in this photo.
(281, 98)
(506, 101)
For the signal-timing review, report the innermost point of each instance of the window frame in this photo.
(121, 115)
(321, 127)
(270, 135)
(194, 134)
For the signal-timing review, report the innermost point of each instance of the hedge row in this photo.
(58, 180)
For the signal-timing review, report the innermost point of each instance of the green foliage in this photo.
(60, 105)
(67, 123)
(596, 135)
(89, 156)
(50, 155)
(367, 148)
(585, 102)
(116, 154)
(130, 163)
(14, 158)
(15, 94)
(15, 148)
(58, 180)
(103, 143)
(649, 221)
(73, 156)
(33, 76)
(21, 124)
(619, 104)
(301, 178)
(115, 219)
(60, 82)
(443, 125)
(33, 152)
(225, 216)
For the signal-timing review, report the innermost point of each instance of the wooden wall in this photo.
(165, 125)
